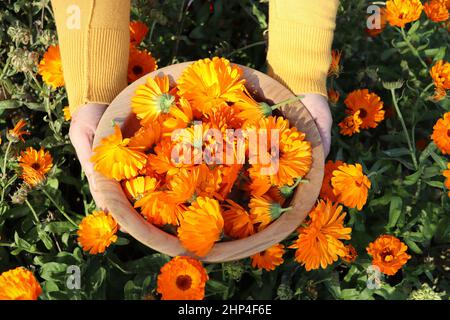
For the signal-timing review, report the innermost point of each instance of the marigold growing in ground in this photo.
(115, 159)
(152, 100)
(326, 192)
(141, 62)
(208, 82)
(138, 31)
(351, 124)
(440, 73)
(436, 10)
(335, 67)
(237, 221)
(350, 255)
(264, 210)
(16, 134)
(447, 181)
(35, 165)
(182, 278)
(401, 12)
(201, 226)
(351, 185)
(388, 253)
(97, 231)
(368, 104)
(50, 68)
(319, 242)
(19, 284)
(441, 133)
(269, 259)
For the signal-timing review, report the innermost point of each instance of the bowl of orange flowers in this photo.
(208, 159)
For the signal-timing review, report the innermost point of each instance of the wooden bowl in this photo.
(265, 88)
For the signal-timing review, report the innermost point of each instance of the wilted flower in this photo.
(23, 60)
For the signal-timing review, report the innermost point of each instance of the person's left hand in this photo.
(318, 106)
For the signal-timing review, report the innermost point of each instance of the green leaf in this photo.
(439, 160)
(436, 184)
(412, 178)
(8, 104)
(395, 210)
(413, 246)
(396, 152)
(59, 227)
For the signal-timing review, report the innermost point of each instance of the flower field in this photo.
(379, 230)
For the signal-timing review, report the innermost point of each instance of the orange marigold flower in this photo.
(335, 67)
(447, 181)
(140, 63)
(373, 32)
(237, 221)
(368, 104)
(208, 182)
(440, 73)
(182, 278)
(50, 68)
(319, 242)
(16, 134)
(351, 124)
(207, 83)
(264, 210)
(146, 137)
(441, 133)
(97, 231)
(115, 159)
(201, 226)
(251, 111)
(67, 113)
(436, 10)
(401, 12)
(269, 259)
(138, 31)
(19, 284)
(35, 165)
(388, 253)
(351, 185)
(152, 100)
(327, 189)
(180, 116)
(350, 254)
(137, 187)
(333, 96)
(260, 184)
(439, 94)
(230, 175)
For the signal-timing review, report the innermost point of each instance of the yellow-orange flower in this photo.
(401, 12)
(368, 104)
(138, 31)
(269, 259)
(319, 242)
(180, 116)
(237, 221)
(350, 255)
(140, 63)
(201, 226)
(19, 284)
(440, 73)
(115, 159)
(207, 83)
(327, 189)
(16, 134)
(152, 100)
(333, 96)
(67, 113)
(441, 133)
(447, 181)
(264, 210)
(137, 187)
(351, 185)
(388, 253)
(351, 124)
(251, 111)
(436, 10)
(439, 94)
(35, 165)
(182, 278)
(146, 137)
(50, 68)
(96, 232)
(335, 67)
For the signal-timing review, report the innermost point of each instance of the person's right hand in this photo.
(82, 130)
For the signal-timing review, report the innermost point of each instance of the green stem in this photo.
(412, 48)
(286, 102)
(405, 130)
(59, 208)
(33, 211)
(152, 29)
(117, 266)
(5, 159)
(251, 45)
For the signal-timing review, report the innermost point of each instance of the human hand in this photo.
(318, 106)
(82, 130)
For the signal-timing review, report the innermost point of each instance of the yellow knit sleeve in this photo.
(300, 38)
(94, 39)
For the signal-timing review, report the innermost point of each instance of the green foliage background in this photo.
(407, 199)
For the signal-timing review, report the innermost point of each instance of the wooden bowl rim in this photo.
(148, 234)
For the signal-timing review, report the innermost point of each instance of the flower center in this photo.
(362, 113)
(164, 102)
(184, 282)
(36, 166)
(137, 70)
(387, 256)
(448, 133)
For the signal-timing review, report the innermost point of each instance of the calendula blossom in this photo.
(446, 174)
(440, 73)
(97, 232)
(50, 68)
(401, 12)
(269, 259)
(441, 133)
(388, 253)
(436, 10)
(19, 284)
